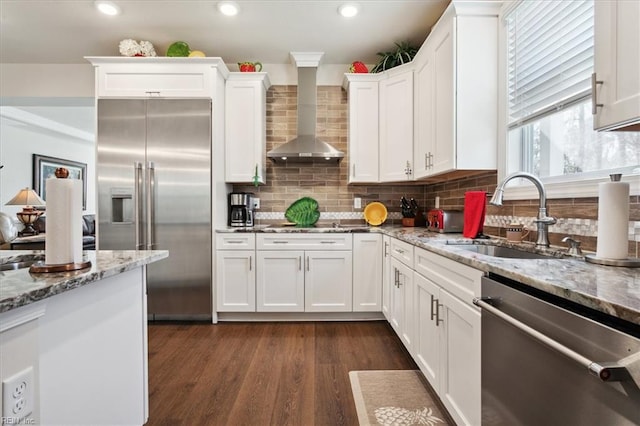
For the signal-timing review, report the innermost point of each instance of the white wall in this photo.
(33, 134)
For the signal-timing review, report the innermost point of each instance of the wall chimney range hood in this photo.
(306, 147)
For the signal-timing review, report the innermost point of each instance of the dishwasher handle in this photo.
(605, 371)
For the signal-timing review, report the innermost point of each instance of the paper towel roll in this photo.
(63, 238)
(613, 220)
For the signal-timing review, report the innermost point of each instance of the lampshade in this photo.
(26, 197)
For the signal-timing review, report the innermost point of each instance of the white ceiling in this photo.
(64, 31)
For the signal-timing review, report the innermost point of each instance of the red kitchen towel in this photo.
(474, 209)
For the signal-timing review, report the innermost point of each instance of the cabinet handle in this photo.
(594, 94)
(137, 200)
(280, 242)
(426, 161)
(386, 249)
(234, 241)
(299, 263)
(438, 320)
(433, 312)
(354, 170)
(308, 264)
(250, 262)
(154, 93)
(328, 242)
(399, 251)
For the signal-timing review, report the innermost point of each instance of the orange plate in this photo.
(375, 213)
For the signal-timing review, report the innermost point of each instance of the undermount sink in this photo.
(500, 251)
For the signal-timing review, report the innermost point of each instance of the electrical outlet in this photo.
(17, 395)
(437, 202)
(256, 203)
(357, 203)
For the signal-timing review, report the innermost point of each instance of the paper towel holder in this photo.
(630, 262)
(41, 267)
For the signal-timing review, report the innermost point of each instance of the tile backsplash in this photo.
(328, 183)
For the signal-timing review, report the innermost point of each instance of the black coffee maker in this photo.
(240, 209)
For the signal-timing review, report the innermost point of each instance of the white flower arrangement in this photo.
(147, 48)
(129, 47)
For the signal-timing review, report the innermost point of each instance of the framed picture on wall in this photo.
(45, 167)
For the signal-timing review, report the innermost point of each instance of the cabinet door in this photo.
(280, 281)
(328, 281)
(367, 272)
(396, 127)
(427, 344)
(423, 138)
(617, 64)
(402, 302)
(154, 79)
(444, 95)
(460, 359)
(235, 281)
(363, 132)
(245, 130)
(387, 277)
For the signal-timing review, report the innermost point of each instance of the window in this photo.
(548, 65)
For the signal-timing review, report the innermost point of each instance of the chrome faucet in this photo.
(543, 221)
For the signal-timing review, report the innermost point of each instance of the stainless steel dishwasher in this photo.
(547, 361)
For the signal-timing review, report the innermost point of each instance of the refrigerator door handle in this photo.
(137, 204)
(151, 201)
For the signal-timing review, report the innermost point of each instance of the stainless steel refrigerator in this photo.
(154, 193)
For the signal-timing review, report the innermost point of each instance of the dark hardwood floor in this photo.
(264, 373)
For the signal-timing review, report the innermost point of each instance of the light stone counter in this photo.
(20, 287)
(608, 289)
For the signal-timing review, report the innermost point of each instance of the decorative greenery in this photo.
(303, 212)
(403, 54)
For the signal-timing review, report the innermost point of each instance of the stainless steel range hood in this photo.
(306, 147)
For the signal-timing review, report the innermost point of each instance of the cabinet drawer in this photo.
(236, 241)
(333, 241)
(149, 80)
(460, 280)
(402, 251)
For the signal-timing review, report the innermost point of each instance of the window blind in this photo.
(549, 57)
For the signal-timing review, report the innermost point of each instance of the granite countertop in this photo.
(609, 289)
(20, 287)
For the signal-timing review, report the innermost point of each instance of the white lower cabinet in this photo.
(280, 281)
(236, 281)
(402, 294)
(328, 281)
(299, 273)
(367, 272)
(460, 385)
(235, 272)
(447, 333)
(401, 290)
(386, 277)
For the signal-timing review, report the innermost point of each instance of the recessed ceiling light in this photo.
(348, 10)
(228, 8)
(107, 7)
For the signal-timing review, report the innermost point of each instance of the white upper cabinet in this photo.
(245, 127)
(362, 90)
(456, 93)
(160, 77)
(616, 81)
(396, 125)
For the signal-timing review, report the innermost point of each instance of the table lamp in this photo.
(27, 197)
